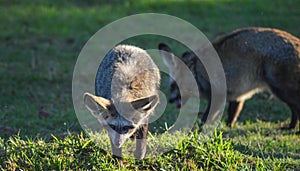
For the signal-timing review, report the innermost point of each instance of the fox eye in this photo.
(121, 130)
(113, 127)
(125, 129)
(128, 127)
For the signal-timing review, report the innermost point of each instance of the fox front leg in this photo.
(117, 154)
(141, 141)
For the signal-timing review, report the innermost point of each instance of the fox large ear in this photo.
(145, 104)
(167, 54)
(96, 105)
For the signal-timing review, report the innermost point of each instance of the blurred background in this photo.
(40, 42)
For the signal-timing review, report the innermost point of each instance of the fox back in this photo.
(126, 87)
(127, 73)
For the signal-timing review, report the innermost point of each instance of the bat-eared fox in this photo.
(126, 87)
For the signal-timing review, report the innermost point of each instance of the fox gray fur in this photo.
(126, 94)
(254, 59)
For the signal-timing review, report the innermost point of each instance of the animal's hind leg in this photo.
(295, 116)
(234, 110)
(290, 99)
(283, 81)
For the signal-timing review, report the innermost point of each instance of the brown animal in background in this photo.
(254, 59)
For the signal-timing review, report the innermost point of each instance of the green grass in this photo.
(40, 42)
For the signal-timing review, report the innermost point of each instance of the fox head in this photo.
(178, 71)
(120, 119)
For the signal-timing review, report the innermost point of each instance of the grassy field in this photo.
(40, 42)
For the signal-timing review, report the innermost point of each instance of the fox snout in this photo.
(117, 139)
